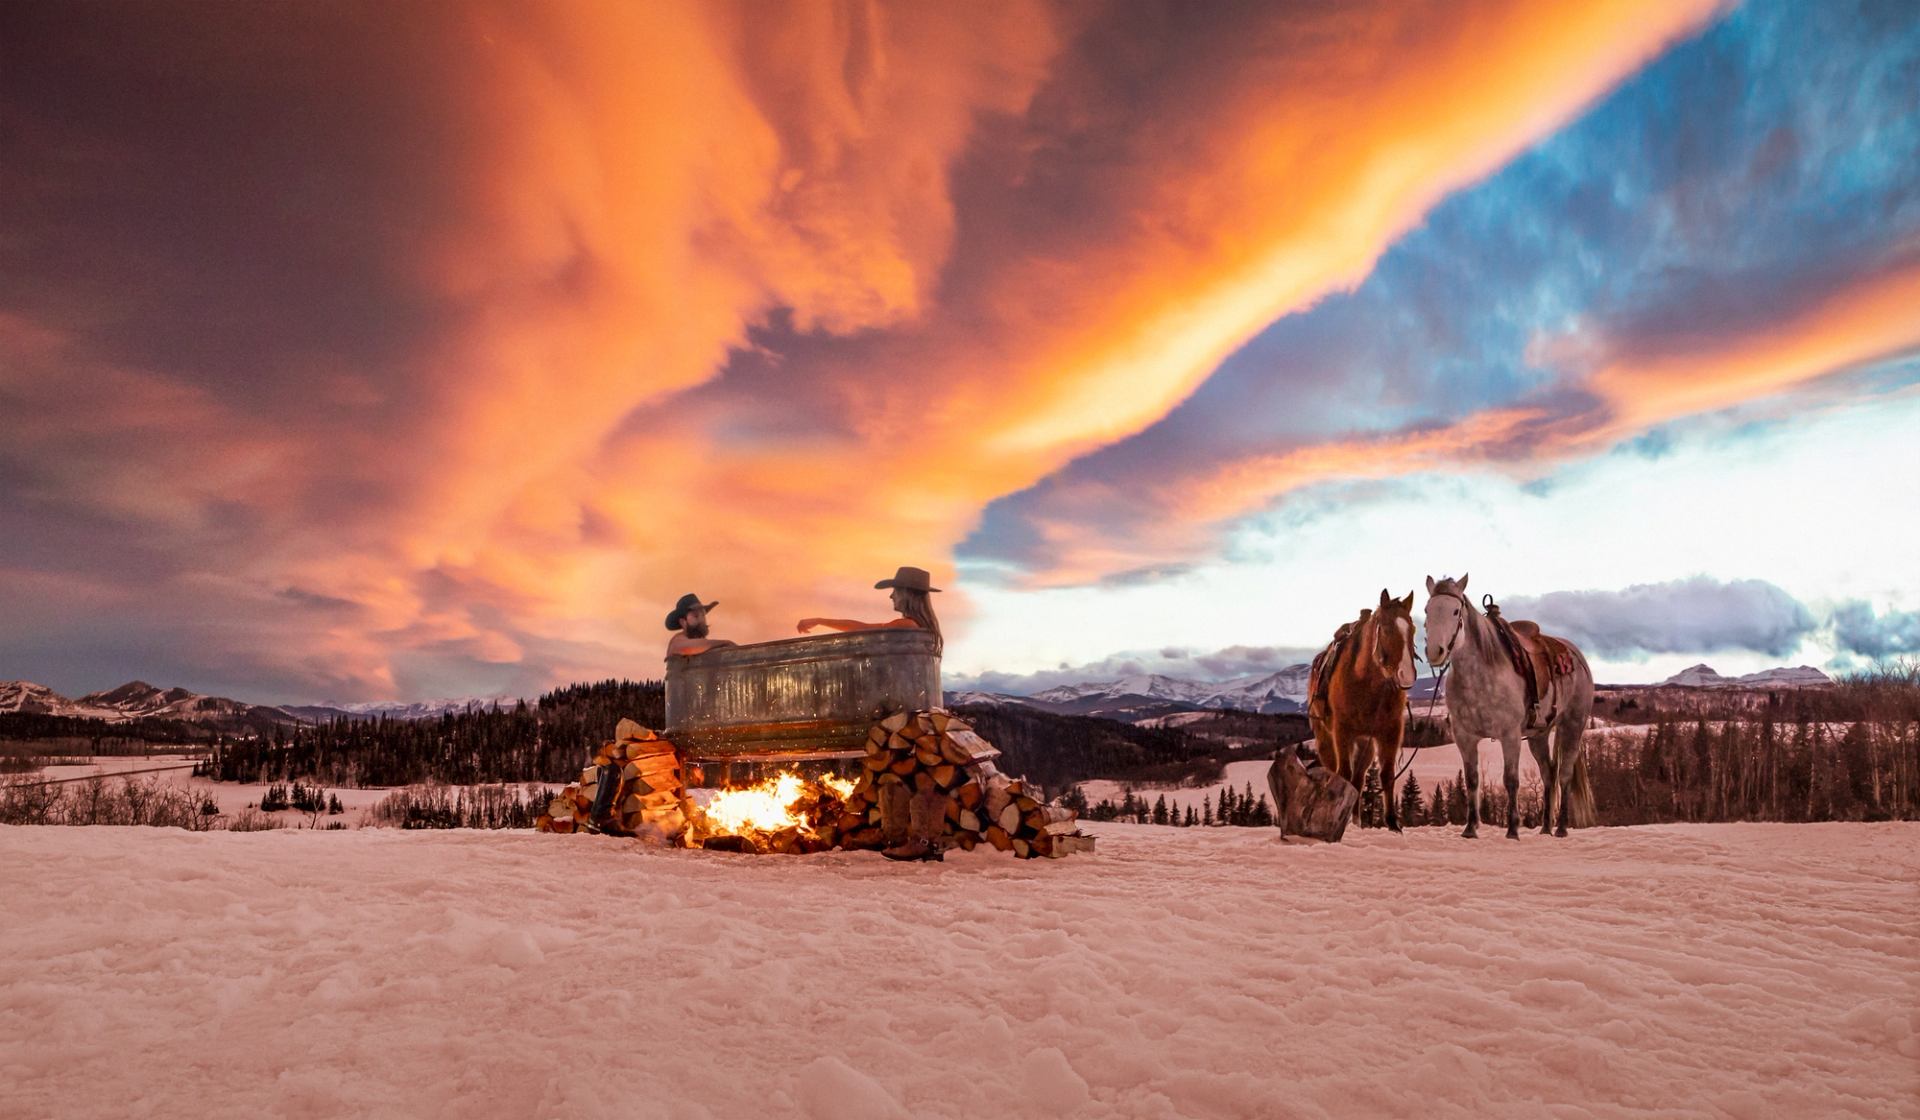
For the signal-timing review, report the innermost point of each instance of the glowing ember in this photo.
(779, 803)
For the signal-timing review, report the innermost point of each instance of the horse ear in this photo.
(1384, 598)
(1429, 585)
(1463, 581)
(1409, 600)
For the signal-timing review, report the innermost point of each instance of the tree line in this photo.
(547, 741)
(1242, 809)
(1059, 751)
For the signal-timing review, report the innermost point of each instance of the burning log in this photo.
(924, 770)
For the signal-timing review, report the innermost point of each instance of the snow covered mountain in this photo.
(1158, 694)
(1284, 691)
(393, 709)
(977, 697)
(140, 700)
(137, 700)
(1704, 676)
(34, 699)
(1152, 686)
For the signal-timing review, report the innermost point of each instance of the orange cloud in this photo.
(1625, 386)
(1864, 319)
(958, 245)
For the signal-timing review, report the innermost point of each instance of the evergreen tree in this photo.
(1372, 799)
(1413, 810)
(1262, 813)
(1160, 810)
(1206, 811)
(1457, 800)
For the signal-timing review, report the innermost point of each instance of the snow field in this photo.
(1717, 970)
(1432, 765)
(231, 797)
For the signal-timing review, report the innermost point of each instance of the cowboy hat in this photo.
(687, 602)
(913, 579)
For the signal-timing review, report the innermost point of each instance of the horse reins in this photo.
(1439, 679)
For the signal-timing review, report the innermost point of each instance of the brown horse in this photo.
(1364, 680)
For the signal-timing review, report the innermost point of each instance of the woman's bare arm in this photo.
(843, 624)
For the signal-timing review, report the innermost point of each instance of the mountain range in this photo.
(140, 700)
(1704, 676)
(394, 709)
(1158, 694)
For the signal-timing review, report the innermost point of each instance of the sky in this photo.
(357, 351)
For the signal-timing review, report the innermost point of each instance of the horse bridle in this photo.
(1439, 678)
(1458, 630)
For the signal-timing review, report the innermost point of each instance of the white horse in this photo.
(1487, 699)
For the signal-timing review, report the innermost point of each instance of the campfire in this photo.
(930, 760)
(787, 813)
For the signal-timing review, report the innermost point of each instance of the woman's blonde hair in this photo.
(918, 606)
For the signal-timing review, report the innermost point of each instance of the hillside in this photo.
(140, 702)
(1060, 750)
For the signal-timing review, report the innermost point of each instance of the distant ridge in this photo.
(1156, 694)
(137, 700)
(1153, 694)
(394, 709)
(1704, 676)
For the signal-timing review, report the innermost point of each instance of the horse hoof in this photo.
(1470, 834)
(1561, 833)
(1513, 834)
(1395, 828)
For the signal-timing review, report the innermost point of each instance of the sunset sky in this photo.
(368, 351)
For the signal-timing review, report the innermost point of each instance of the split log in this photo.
(968, 793)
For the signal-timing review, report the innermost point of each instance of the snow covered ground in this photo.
(1722, 970)
(232, 797)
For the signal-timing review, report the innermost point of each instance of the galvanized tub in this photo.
(799, 698)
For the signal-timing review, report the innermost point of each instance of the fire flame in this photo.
(770, 806)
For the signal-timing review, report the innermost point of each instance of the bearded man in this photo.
(689, 621)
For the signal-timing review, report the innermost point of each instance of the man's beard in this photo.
(695, 629)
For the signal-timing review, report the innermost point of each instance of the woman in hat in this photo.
(912, 596)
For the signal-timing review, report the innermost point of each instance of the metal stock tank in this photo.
(799, 698)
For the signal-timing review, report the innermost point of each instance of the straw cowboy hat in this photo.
(913, 579)
(687, 602)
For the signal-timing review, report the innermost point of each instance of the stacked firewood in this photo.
(931, 755)
(649, 795)
(938, 756)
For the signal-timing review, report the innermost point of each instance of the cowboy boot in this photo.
(895, 811)
(927, 814)
(930, 823)
(897, 816)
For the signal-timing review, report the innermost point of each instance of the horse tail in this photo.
(1581, 812)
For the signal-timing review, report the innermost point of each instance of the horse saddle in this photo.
(1540, 659)
(1320, 674)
